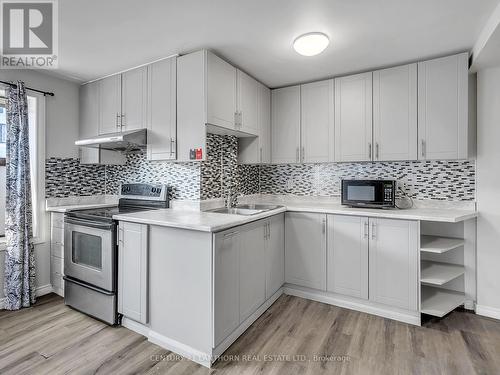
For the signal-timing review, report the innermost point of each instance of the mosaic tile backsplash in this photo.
(220, 173)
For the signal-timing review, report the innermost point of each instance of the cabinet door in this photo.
(305, 249)
(275, 254)
(252, 268)
(395, 113)
(285, 125)
(133, 271)
(109, 104)
(442, 108)
(161, 112)
(353, 118)
(134, 99)
(347, 268)
(226, 285)
(248, 103)
(394, 262)
(265, 124)
(317, 125)
(253, 150)
(89, 120)
(221, 92)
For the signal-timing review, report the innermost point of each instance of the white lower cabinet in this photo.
(348, 255)
(252, 268)
(394, 263)
(275, 254)
(133, 271)
(305, 249)
(226, 284)
(248, 269)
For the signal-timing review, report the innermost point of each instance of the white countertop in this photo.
(80, 203)
(194, 220)
(214, 222)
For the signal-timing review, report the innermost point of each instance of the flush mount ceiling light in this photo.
(311, 44)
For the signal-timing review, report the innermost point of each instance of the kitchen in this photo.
(307, 209)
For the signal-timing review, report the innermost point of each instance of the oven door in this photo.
(90, 252)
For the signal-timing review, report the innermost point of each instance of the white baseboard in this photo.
(184, 350)
(39, 291)
(353, 304)
(490, 312)
(43, 290)
(139, 328)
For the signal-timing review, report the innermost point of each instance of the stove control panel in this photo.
(157, 192)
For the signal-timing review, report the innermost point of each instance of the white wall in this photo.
(62, 109)
(488, 192)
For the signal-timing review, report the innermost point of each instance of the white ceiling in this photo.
(100, 37)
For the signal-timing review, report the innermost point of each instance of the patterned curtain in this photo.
(19, 276)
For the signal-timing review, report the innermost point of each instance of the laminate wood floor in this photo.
(295, 336)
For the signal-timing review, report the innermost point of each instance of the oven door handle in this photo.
(85, 285)
(89, 223)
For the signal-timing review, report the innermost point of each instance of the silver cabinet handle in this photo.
(303, 154)
(376, 150)
(374, 227)
(172, 146)
(369, 150)
(297, 156)
(118, 120)
(269, 231)
(323, 226)
(122, 121)
(422, 143)
(261, 154)
(236, 119)
(241, 119)
(366, 229)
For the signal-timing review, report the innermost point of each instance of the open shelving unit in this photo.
(442, 269)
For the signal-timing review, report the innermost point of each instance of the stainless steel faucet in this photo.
(230, 199)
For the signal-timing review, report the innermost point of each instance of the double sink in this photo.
(245, 209)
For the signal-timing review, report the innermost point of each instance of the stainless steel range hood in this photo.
(128, 141)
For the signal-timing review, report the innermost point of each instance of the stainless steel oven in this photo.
(90, 252)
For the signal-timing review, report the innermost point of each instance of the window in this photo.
(36, 122)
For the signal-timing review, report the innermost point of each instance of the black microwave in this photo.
(369, 193)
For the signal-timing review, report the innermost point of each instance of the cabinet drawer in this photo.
(57, 220)
(57, 236)
(57, 250)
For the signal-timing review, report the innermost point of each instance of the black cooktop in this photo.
(105, 214)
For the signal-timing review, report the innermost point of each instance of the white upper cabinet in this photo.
(221, 92)
(394, 263)
(134, 99)
(110, 104)
(317, 122)
(348, 255)
(89, 127)
(443, 108)
(254, 150)
(353, 118)
(285, 125)
(248, 104)
(161, 111)
(395, 113)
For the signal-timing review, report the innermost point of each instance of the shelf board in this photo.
(439, 302)
(439, 245)
(437, 273)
